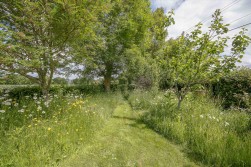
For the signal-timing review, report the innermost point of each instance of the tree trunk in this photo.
(107, 83)
(45, 93)
(180, 99)
(44, 87)
(108, 76)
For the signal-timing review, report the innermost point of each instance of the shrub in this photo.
(22, 91)
(235, 89)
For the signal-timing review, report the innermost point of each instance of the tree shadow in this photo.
(128, 118)
(137, 123)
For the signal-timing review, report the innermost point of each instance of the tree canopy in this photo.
(35, 37)
(112, 40)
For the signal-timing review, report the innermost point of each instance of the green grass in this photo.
(47, 136)
(104, 130)
(126, 142)
(209, 134)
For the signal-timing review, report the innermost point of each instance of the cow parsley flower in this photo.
(2, 111)
(22, 110)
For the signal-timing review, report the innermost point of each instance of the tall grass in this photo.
(209, 134)
(35, 132)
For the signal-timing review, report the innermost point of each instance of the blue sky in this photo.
(190, 12)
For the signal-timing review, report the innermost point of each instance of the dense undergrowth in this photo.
(35, 132)
(209, 134)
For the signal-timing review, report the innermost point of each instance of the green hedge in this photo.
(20, 92)
(234, 89)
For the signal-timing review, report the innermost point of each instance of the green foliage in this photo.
(209, 134)
(234, 89)
(196, 58)
(14, 79)
(119, 27)
(21, 92)
(60, 81)
(141, 67)
(35, 37)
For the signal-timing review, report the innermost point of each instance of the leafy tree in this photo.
(141, 65)
(199, 57)
(160, 22)
(119, 27)
(35, 36)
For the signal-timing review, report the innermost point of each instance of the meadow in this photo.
(39, 132)
(36, 131)
(207, 133)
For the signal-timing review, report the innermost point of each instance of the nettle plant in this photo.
(198, 58)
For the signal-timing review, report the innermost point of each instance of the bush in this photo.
(235, 89)
(22, 91)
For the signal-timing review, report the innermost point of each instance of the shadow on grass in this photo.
(128, 118)
(137, 123)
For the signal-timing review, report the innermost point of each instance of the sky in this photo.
(189, 12)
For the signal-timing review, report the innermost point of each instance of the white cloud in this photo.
(190, 12)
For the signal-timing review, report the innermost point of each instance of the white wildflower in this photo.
(22, 110)
(43, 112)
(2, 111)
(202, 116)
(7, 103)
(39, 108)
(226, 124)
(46, 104)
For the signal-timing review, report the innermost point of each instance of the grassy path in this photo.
(125, 142)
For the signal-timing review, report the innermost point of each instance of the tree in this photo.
(199, 58)
(142, 66)
(35, 36)
(119, 27)
(158, 31)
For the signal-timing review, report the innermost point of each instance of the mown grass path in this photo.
(125, 142)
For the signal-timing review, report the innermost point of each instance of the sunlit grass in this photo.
(208, 133)
(38, 132)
